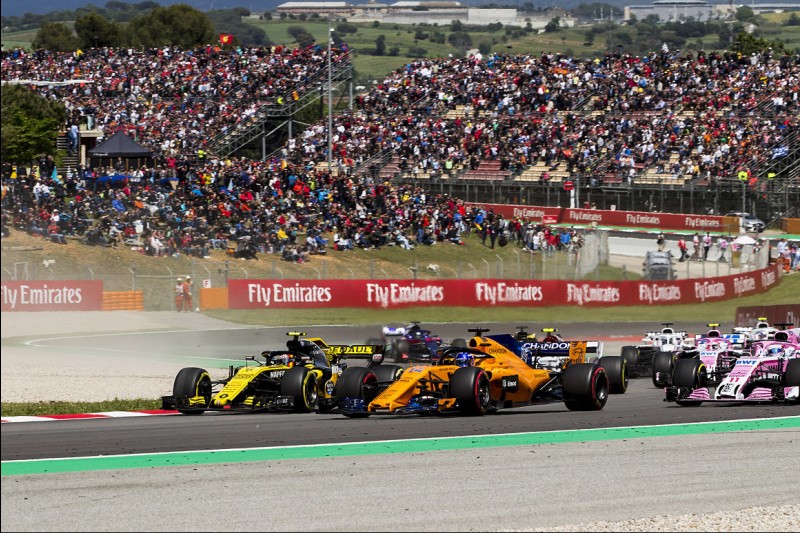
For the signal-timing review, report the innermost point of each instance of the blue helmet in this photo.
(464, 359)
(775, 350)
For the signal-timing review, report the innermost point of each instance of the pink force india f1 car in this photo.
(770, 372)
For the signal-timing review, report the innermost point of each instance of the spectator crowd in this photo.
(722, 113)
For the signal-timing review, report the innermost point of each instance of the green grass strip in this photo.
(316, 451)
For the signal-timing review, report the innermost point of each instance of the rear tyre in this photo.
(585, 387)
(470, 386)
(616, 368)
(354, 383)
(791, 378)
(401, 348)
(459, 343)
(190, 383)
(662, 369)
(301, 384)
(631, 356)
(689, 374)
(387, 373)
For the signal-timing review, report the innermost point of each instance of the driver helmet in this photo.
(282, 359)
(464, 359)
(775, 350)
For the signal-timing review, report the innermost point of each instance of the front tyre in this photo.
(662, 369)
(791, 378)
(631, 356)
(585, 387)
(192, 388)
(356, 383)
(388, 373)
(689, 374)
(300, 384)
(616, 368)
(470, 387)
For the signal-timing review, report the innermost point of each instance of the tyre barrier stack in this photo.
(123, 301)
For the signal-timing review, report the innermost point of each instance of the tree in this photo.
(95, 31)
(296, 31)
(793, 20)
(456, 25)
(553, 26)
(745, 14)
(230, 21)
(30, 124)
(177, 25)
(301, 36)
(747, 44)
(346, 27)
(55, 36)
(461, 41)
(416, 51)
(380, 45)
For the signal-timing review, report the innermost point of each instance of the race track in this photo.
(443, 483)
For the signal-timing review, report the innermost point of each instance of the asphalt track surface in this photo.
(293, 472)
(642, 405)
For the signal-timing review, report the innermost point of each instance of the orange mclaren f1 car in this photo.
(483, 377)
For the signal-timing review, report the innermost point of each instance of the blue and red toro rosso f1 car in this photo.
(412, 343)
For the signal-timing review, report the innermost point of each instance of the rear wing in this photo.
(355, 351)
(391, 331)
(575, 351)
(736, 339)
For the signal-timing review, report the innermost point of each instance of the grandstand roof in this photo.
(291, 5)
(422, 3)
(680, 3)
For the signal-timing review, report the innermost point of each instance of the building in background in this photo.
(440, 12)
(676, 10)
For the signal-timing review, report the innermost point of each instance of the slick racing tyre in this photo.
(616, 368)
(301, 384)
(631, 356)
(791, 378)
(387, 373)
(470, 386)
(400, 348)
(191, 383)
(357, 382)
(585, 387)
(689, 374)
(459, 343)
(662, 369)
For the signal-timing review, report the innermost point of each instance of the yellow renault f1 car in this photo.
(483, 377)
(301, 378)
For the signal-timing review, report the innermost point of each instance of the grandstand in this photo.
(664, 132)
